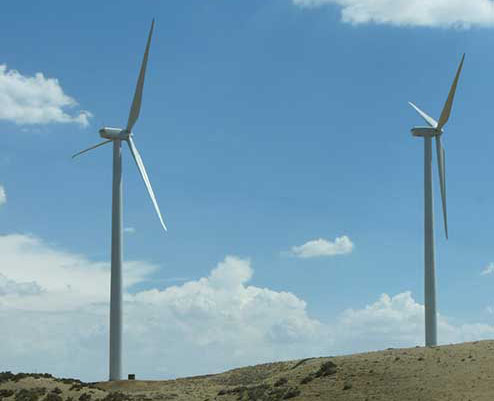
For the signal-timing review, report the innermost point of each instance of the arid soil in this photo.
(454, 372)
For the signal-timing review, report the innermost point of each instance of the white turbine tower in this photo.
(435, 129)
(117, 135)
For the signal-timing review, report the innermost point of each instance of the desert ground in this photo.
(453, 372)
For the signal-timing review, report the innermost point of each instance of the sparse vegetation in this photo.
(76, 387)
(307, 379)
(292, 392)
(347, 386)
(9, 376)
(32, 394)
(117, 396)
(327, 369)
(69, 381)
(51, 396)
(301, 362)
(262, 392)
(281, 381)
(6, 393)
(390, 375)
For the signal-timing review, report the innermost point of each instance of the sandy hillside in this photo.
(455, 372)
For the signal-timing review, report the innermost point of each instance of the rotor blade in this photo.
(449, 102)
(428, 119)
(136, 103)
(441, 156)
(144, 175)
(91, 148)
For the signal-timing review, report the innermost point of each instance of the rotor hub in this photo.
(114, 133)
(426, 132)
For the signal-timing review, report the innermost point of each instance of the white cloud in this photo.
(321, 247)
(488, 270)
(35, 100)
(57, 308)
(9, 287)
(54, 309)
(398, 321)
(3, 195)
(68, 281)
(431, 13)
(129, 230)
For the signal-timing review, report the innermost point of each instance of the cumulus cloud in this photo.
(27, 100)
(60, 299)
(398, 321)
(68, 281)
(54, 309)
(3, 195)
(430, 13)
(9, 287)
(321, 247)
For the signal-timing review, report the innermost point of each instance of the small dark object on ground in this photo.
(131, 376)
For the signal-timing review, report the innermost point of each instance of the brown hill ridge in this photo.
(453, 372)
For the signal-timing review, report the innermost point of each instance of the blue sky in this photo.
(264, 125)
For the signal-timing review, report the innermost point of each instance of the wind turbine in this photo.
(117, 135)
(435, 129)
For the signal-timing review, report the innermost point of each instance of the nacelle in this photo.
(113, 133)
(426, 131)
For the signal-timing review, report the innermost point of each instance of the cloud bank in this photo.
(54, 313)
(32, 100)
(321, 247)
(429, 13)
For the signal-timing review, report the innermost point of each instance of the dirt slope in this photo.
(455, 372)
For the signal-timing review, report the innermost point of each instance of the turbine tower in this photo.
(435, 129)
(117, 135)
